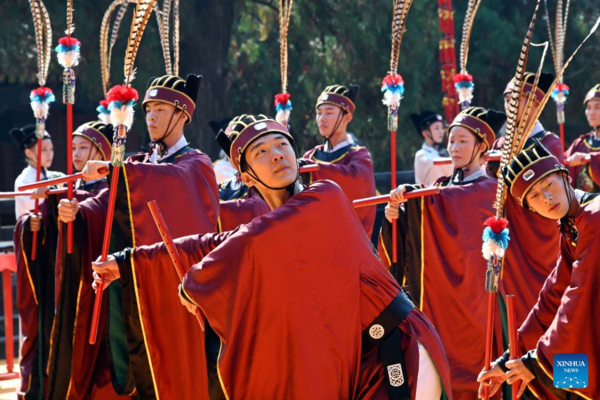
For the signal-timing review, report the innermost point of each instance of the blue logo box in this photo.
(570, 371)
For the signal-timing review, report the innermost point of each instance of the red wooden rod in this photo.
(69, 171)
(58, 181)
(6, 195)
(394, 222)
(161, 225)
(586, 160)
(489, 336)
(512, 337)
(371, 201)
(107, 230)
(309, 168)
(36, 208)
(561, 128)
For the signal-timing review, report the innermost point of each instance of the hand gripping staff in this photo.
(392, 87)
(41, 97)
(122, 99)
(68, 53)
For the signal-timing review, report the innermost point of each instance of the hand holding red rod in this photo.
(58, 181)
(371, 201)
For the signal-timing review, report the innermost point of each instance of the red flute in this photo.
(58, 181)
(173, 253)
(309, 168)
(489, 336)
(371, 201)
(512, 337)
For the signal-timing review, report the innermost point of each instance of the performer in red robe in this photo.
(72, 369)
(586, 176)
(563, 320)
(325, 323)
(535, 245)
(39, 280)
(340, 159)
(439, 248)
(139, 308)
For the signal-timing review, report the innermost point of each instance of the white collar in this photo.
(429, 148)
(472, 177)
(339, 145)
(537, 128)
(181, 143)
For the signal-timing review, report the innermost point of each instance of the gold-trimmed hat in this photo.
(481, 122)
(594, 93)
(544, 83)
(100, 134)
(528, 167)
(244, 130)
(340, 96)
(175, 91)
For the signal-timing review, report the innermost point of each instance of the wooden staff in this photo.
(512, 337)
(371, 201)
(161, 225)
(36, 207)
(58, 181)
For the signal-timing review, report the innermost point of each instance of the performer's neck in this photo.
(172, 138)
(337, 138)
(472, 168)
(277, 198)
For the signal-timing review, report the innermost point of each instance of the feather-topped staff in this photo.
(557, 44)
(41, 97)
(283, 104)
(496, 232)
(121, 99)
(392, 87)
(463, 81)
(68, 52)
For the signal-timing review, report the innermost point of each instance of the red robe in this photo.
(36, 295)
(440, 262)
(295, 332)
(142, 353)
(76, 369)
(586, 176)
(564, 318)
(351, 167)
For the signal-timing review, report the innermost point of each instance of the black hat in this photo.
(481, 122)
(25, 137)
(341, 96)
(544, 83)
(220, 124)
(425, 119)
(175, 91)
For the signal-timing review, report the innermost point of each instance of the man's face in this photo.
(272, 160)
(437, 131)
(158, 115)
(460, 146)
(328, 116)
(592, 112)
(522, 103)
(548, 197)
